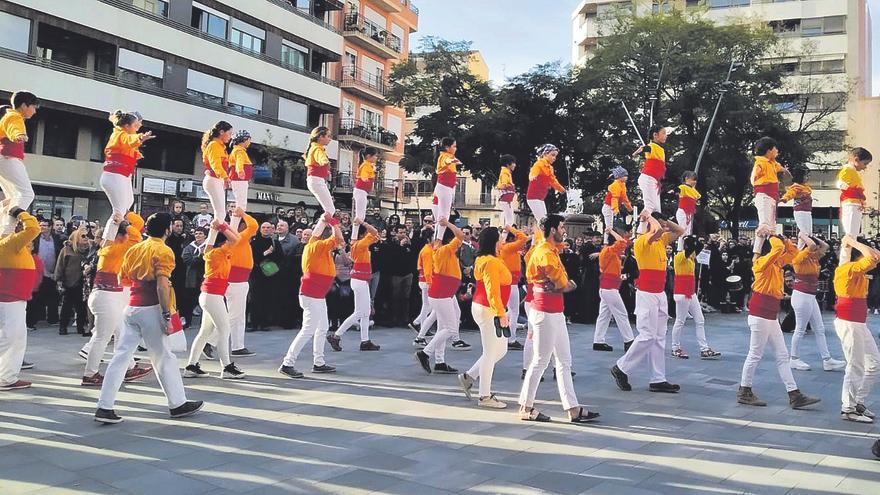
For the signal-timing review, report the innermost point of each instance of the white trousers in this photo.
(611, 304)
(686, 222)
(108, 308)
(507, 218)
(240, 193)
(764, 331)
(215, 317)
(806, 311)
(650, 188)
(236, 304)
(118, 189)
(315, 326)
(851, 223)
(539, 209)
(862, 362)
(87, 348)
(688, 307)
(13, 340)
(448, 320)
(425, 311)
(359, 198)
(361, 315)
(16, 186)
(318, 187)
(551, 339)
(607, 216)
(766, 207)
(494, 348)
(650, 343)
(804, 222)
(529, 344)
(513, 309)
(143, 322)
(443, 208)
(216, 191)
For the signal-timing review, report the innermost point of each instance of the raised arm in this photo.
(455, 230)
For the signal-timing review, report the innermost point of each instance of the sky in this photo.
(516, 35)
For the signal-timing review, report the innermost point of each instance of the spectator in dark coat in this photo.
(44, 304)
(265, 294)
(193, 259)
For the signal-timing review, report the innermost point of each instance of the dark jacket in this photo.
(195, 266)
(57, 239)
(177, 243)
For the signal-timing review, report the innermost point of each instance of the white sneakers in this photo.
(798, 364)
(832, 364)
(491, 402)
(855, 417)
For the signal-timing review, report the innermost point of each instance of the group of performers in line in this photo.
(133, 298)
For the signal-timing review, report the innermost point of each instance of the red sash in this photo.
(608, 197)
(443, 286)
(548, 302)
(210, 172)
(11, 149)
(117, 163)
(804, 204)
(655, 168)
(771, 189)
(447, 178)
(530, 293)
(315, 285)
(651, 281)
(362, 271)
(854, 309)
(538, 188)
(482, 298)
(609, 281)
(687, 204)
(216, 286)
(321, 171)
(248, 173)
(806, 282)
(238, 274)
(16, 284)
(764, 306)
(853, 193)
(107, 281)
(364, 184)
(506, 197)
(143, 293)
(684, 285)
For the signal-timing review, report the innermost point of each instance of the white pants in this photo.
(118, 189)
(529, 344)
(688, 307)
(87, 348)
(804, 222)
(851, 223)
(766, 331)
(539, 209)
(766, 207)
(359, 198)
(239, 192)
(551, 338)
(494, 348)
(862, 362)
(607, 216)
(513, 310)
(445, 196)
(686, 222)
(611, 304)
(806, 310)
(108, 309)
(650, 343)
(143, 322)
(425, 311)
(216, 191)
(236, 304)
(361, 315)
(315, 326)
(448, 319)
(650, 188)
(318, 187)
(215, 317)
(507, 218)
(16, 186)
(13, 340)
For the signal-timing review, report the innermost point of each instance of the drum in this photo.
(734, 283)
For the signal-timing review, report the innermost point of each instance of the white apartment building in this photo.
(262, 65)
(837, 34)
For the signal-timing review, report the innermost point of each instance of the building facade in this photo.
(267, 66)
(838, 35)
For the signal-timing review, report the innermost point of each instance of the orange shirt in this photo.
(806, 271)
(538, 237)
(317, 162)
(11, 129)
(242, 255)
(616, 196)
(122, 152)
(493, 284)
(802, 195)
(505, 185)
(767, 289)
(318, 267)
(110, 256)
(216, 160)
(764, 179)
(655, 161)
(218, 263)
(541, 178)
(143, 263)
(510, 254)
(366, 174)
(445, 270)
(651, 258)
(362, 258)
(424, 263)
(17, 268)
(240, 166)
(446, 170)
(851, 287)
(685, 283)
(610, 265)
(544, 265)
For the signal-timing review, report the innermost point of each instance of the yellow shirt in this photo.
(424, 263)
(505, 180)
(240, 163)
(617, 195)
(849, 179)
(446, 163)
(764, 171)
(686, 191)
(18, 274)
(147, 261)
(509, 253)
(110, 256)
(768, 268)
(850, 279)
(651, 258)
(216, 159)
(495, 278)
(123, 143)
(544, 263)
(12, 125)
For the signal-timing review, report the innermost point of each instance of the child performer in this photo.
(766, 185)
(216, 162)
(318, 165)
(444, 191)
(541, 178)
(611, 304)
(14, 180)
(121, 155)
(361, 274)
(366, 173)
(687, 205)
(852, 195)
(653, 171)
(802, 195)
(506, 189)
(686, 302)
(241, 170)
(615, 197)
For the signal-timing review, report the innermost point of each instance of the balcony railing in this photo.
(362, 78)
(75, 70)
(352, 127)
(411, 6)
(127, 6)
(287, 5)
(354, 22)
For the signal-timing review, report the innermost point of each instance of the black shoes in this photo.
(514, 346)
(193, 371)
(107, 416)
(573, 374)
(424, 360)
(445, 369)
(243, 352)
(324, 368)
(627, 345)
(62, 331)
(209, 352)
(797, 400)
(368, 345)
(876, 449)
(664, 387)
(188, 408)
(460, 345)
(602, 347)
(334, 341)
(621, 379)
(232, 372)
(290, 371)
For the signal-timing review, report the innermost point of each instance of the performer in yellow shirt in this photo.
(447, 177)
(506, 189)
(318, 172)
(653, 172)
(802, 195)
(361, 273)
(687, 205)
(363, 185)
(241, 171)
(121, 157)
(216, 162)
(615, 197)
(14, 180)
(427, 316)
(852, 195)
(765, 182)
(610, 302)
(686, 302)
(541, 178)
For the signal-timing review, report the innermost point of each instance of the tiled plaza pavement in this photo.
(381, 425)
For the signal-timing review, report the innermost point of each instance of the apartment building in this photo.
(838, 35)
(263, 65)
(376, 36)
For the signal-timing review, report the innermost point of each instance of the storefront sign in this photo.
(171, 187)
(153, 186)
(267, 196)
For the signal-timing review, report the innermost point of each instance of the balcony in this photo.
(343, 182)
(371, 36)
(315, 15)
(361, 83)
(353, 131)
(392, 6)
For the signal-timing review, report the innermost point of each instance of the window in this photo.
(244, 99)
(99, 137)
(370, 118)
(140, 69)
(158, 7)
(172, 153)
(15, 32)
(721, 4)
(293, 55)
(835, 25)
(61, 134)
(249, 37)
(207, 88)
(834, 66)
(661, 6)
(293, 112)
(824, 102)
(811, 27)
(209, 20)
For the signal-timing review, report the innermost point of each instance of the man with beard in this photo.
(288, 282)
(264, 283)
(177, 240)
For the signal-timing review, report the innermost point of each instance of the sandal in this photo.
(536, 416)
(582, 418)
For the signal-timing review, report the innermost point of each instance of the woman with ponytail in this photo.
(241, 170)
(216, 162)
(541, 178)
(318, 165)
(121, 155)
(14, 180)
(366, 173)
(444, 191)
